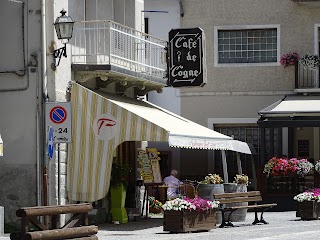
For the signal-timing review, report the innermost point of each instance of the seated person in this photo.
(173, 184)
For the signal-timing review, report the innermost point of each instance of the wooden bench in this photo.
(252, 198)
(76, 228)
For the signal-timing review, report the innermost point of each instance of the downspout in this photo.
(42, 98)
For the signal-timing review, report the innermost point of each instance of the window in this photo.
(247, 46)
(248, 133)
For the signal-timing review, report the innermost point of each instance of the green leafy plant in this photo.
(119, 174)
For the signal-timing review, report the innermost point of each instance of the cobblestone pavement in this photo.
(282, 225)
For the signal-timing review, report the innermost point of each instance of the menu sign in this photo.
(149, 165)
(186, 58)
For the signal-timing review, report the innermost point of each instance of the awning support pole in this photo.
(254, 173)
(224, 166)
(239, 163)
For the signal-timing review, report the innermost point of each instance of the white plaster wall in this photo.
(159, 26)
(19, 105)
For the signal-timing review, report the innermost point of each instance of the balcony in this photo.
(118, 53)
(306, 79)
(308, 3)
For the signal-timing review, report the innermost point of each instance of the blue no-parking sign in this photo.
(50, 142)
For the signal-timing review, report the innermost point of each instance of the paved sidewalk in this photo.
(282, 225)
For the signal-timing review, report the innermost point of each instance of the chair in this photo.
(162, 193)
(188, 190)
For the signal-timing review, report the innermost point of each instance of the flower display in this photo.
(310, 61)
(154, 203)
(241, 179)
(317, 166)
(212, 179)
(281, 166)
(289, 59)
(202, 204)
(304, 167)
(197, 204)
(177, 204)
(308, 195)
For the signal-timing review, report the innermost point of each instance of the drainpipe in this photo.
(43, 96)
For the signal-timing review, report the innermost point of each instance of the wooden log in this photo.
(54, 210)
(16, 236)
(77, 232)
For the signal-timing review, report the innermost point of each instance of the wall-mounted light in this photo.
(64, 29)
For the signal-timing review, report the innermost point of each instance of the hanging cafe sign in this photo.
(187, 58)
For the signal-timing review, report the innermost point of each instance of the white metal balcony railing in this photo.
(306, 77)
(107, 42)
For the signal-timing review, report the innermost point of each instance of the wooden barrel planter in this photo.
(240, 214)
(189, 221)
(308, 210)
(206, 191)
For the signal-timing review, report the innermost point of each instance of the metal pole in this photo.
(224, 166)
(239, 163)
(254, 173)
(59, 173)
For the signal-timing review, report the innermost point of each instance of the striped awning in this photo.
(100, 122)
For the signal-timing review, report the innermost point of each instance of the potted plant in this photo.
(289, 59)
(241, 179)
(119, 180)
(240, 183)
(308, 204)
(155, 206)
(211, 184)
(286, 174)
(310, 61)
(186, 215)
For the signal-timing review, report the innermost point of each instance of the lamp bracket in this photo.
(58, 53)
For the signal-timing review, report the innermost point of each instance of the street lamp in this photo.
(64, 29)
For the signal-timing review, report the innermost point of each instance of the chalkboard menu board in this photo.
(149, 165)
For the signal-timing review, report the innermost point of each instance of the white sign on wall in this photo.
(58, 116)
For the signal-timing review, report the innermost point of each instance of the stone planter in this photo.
(240, 214)
(308, 210)
(189, 221)
(206, 191)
